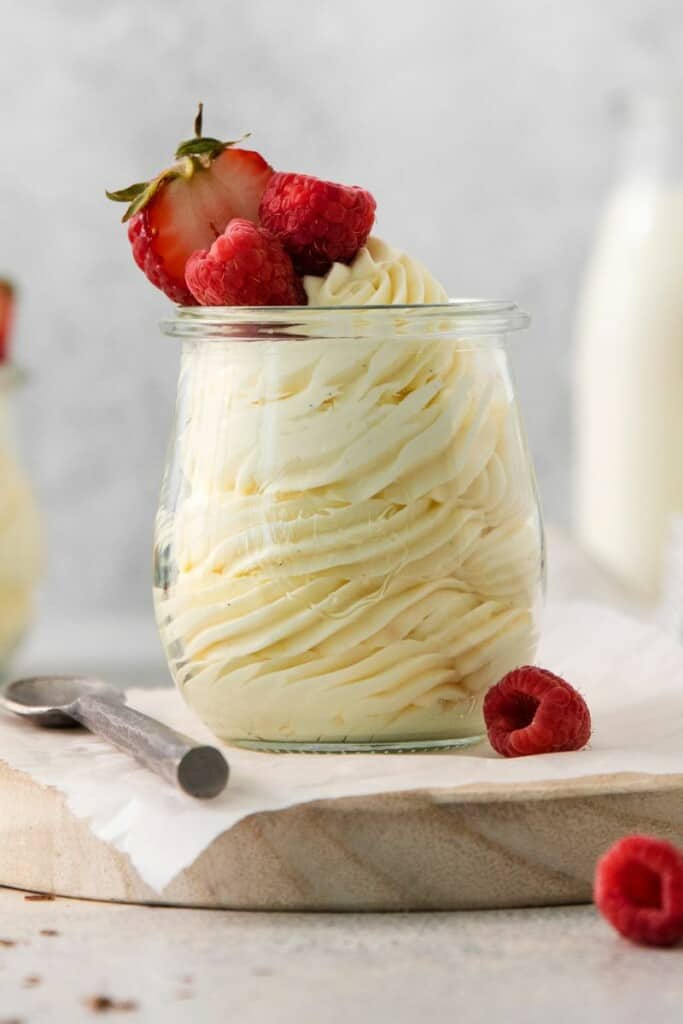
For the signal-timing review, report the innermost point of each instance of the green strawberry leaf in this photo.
(126, 195)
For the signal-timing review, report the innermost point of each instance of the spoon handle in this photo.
(201, 771)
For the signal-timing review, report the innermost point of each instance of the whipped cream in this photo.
(20, 547)
(355, 544)
(378, 276)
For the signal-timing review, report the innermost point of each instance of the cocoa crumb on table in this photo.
(7, 944)
(12, 1020)
(31, 980)
(37, 897)
(49, 931)
(102, 1004)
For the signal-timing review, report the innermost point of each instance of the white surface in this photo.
(629, 673)
(521, 967)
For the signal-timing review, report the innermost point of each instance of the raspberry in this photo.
(532, 711)
(638, 888)
(245, 266)
(318, 222)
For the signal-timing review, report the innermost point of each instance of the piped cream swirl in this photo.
(378, 276)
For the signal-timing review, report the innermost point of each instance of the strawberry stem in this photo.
(191, 155)
(198, 121)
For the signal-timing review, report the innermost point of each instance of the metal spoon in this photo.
(54, 701)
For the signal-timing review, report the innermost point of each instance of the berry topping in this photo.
(532, 711)
(639, 889)
(7, 301)
(245, 266)
(189, 205)
(318, 222)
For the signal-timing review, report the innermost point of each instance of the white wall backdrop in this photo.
(485, 129)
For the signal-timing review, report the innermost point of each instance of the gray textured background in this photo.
(485, 129)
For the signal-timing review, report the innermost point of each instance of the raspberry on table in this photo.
(318, 222)
(245, 266)
(532, 711)
(638, 888)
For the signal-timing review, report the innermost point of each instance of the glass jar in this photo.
(20, 533)
(348, 549)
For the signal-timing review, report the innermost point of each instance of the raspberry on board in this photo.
(318, 222)
(638, 888)
(533, 711)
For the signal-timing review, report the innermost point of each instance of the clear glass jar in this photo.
(348, 549)
(21, 550)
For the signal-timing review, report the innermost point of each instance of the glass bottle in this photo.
(629, 360)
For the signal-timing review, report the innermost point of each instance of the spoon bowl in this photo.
(48, 700)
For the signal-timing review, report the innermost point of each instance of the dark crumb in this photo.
(49, 931)
(31, 980)
(98, 1004)
(12, 1020)
(37, 897)
(102, 1004)
(7, 944)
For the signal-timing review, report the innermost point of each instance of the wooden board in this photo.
(482, 846)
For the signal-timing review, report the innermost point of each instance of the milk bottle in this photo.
(628, 411)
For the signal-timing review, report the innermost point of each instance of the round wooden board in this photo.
(475, 847)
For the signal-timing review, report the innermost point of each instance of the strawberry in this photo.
(7, 303)
(318, 222)
(189, 205)
(245, 266)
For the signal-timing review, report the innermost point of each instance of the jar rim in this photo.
(471, 317)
